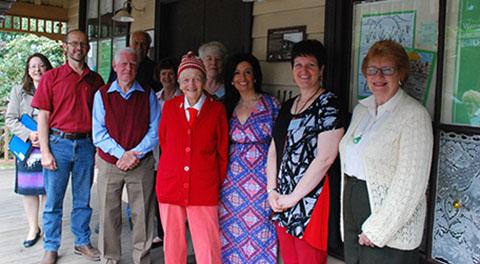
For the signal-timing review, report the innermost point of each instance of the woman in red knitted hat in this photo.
(193, 136)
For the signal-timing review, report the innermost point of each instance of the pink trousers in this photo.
(203, 224)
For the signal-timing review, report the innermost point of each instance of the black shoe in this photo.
(29, 243)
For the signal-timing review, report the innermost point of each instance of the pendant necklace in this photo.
(366, 126)
(297, 111)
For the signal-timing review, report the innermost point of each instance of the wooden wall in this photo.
(144, 20)
(73, 14)
(269, 14)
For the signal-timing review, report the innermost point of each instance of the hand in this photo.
(273, 201)
(128, 161)
(286, 201)
(34, 139)
(364, 241)
(48, 161)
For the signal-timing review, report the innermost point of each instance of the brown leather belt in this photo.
(71, 136)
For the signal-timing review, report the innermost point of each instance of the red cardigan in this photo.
(193, 163)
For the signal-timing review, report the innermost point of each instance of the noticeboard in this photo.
(281, 40)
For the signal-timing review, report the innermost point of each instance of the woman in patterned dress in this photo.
(247, 234)
(29, 178)
(305, 144)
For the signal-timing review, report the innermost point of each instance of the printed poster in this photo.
(105, 59)
(466, 101)
(422, 63)
(397, 26)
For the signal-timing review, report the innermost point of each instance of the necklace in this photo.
(366, 126)
(296, 110)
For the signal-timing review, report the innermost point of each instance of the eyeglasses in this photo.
(386, 71)
(37, 66)
(76, 44)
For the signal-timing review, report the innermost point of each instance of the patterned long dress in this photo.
(247, 234)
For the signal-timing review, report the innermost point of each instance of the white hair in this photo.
(213, 46)
(125, 51)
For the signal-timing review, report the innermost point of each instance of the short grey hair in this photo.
(126, 50)
(212, 46)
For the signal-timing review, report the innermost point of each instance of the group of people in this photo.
(211, 148)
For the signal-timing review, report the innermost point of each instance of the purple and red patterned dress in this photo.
(247, 233)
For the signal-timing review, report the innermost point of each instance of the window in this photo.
(106, 36)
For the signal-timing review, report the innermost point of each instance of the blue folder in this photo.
(18, 147)
(28, 121)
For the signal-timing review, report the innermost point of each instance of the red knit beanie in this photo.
(189, 60)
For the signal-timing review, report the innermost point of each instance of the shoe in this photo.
(29, 243)
(50, 257)
(88, 252)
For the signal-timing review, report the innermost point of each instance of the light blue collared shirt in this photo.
(102, 139)
(220, 93)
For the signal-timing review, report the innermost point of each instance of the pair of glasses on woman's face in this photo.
(386, 71)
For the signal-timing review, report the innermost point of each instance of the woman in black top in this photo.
(305, 144)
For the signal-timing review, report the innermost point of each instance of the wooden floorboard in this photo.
(13, 229)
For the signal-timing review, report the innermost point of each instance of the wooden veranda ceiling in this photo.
(41, 17)
(4, 7)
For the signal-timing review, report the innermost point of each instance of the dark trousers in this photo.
(356, 209)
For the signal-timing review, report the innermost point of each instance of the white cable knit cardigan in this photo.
(397, 165)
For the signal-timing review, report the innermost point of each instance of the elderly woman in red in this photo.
(193, 136)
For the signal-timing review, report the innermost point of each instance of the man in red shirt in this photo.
(65, 99)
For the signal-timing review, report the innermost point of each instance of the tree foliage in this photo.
(14, 50)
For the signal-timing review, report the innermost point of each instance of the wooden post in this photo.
(6, 139)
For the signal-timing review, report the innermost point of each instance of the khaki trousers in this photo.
(139, 183)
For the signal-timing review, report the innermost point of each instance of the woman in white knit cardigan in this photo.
(386, 156)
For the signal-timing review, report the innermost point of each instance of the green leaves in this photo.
(14, 51)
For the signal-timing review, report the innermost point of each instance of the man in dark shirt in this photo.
(140, 41)
(65, 100)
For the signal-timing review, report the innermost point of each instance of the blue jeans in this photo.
(75, 157)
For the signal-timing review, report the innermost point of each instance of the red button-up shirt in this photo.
(68, 97)
(193, 163)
